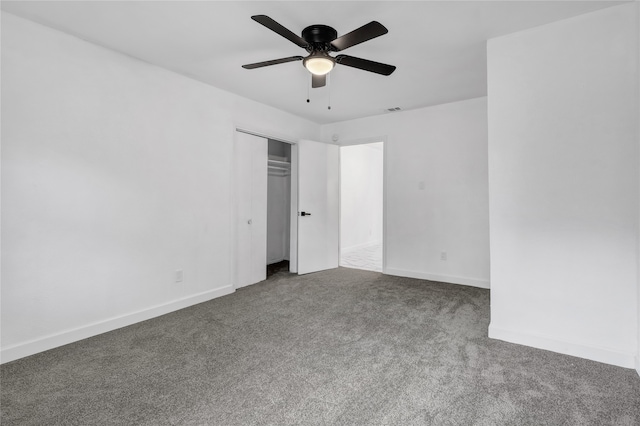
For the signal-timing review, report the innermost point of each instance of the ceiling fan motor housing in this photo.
(319, 37)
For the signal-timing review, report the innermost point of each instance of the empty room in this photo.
(320, 212)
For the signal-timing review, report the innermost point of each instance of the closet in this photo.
(263, 192)
(272, 178)
(278, 201)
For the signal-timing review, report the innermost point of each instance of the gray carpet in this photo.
(344, 347)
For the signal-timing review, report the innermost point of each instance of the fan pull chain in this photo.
(308, 85)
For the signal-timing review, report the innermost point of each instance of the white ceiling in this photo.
(437, 46)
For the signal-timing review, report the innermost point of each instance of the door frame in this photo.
(364, 141)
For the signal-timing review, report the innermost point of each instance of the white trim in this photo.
(473, 282)
(364, 141)
(233, 212)
(51, 341)
(264, 135)
(293, 211)
(550, 343)
(385, 191)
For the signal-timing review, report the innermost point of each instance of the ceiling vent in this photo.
(395, 109)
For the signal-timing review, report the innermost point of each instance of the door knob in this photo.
(249, 221)
(305, 214)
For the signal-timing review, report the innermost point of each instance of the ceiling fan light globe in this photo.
(318, 66)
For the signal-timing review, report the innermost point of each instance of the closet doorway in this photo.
(278, 206)
(361, 206)
(265, 192)
(272, 179)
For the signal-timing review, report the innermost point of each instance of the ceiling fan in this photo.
(319, 41)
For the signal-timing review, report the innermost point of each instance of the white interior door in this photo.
(251, 221)
(318, 206)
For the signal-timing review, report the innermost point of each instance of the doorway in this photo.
(361, 206)
(278, 206)
(263, 183)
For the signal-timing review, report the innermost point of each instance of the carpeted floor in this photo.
(340, 347)
(274, 268)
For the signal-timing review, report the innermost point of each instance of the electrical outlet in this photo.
(443, 255)
(179, 275)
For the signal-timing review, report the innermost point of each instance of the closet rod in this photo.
(261, 135)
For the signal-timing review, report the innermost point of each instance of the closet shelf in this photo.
(279, 166)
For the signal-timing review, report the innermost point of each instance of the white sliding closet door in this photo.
(251, 194)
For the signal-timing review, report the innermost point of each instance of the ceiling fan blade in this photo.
(366, 32)
(318, 80)
(272, 62)
(275, 27)
(365, 64)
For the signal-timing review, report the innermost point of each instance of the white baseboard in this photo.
(594, 353)
(51, 341)
(473, 282)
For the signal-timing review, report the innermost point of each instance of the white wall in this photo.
(361, 195)
(115, 173)
(563, 178)
(436, 186)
